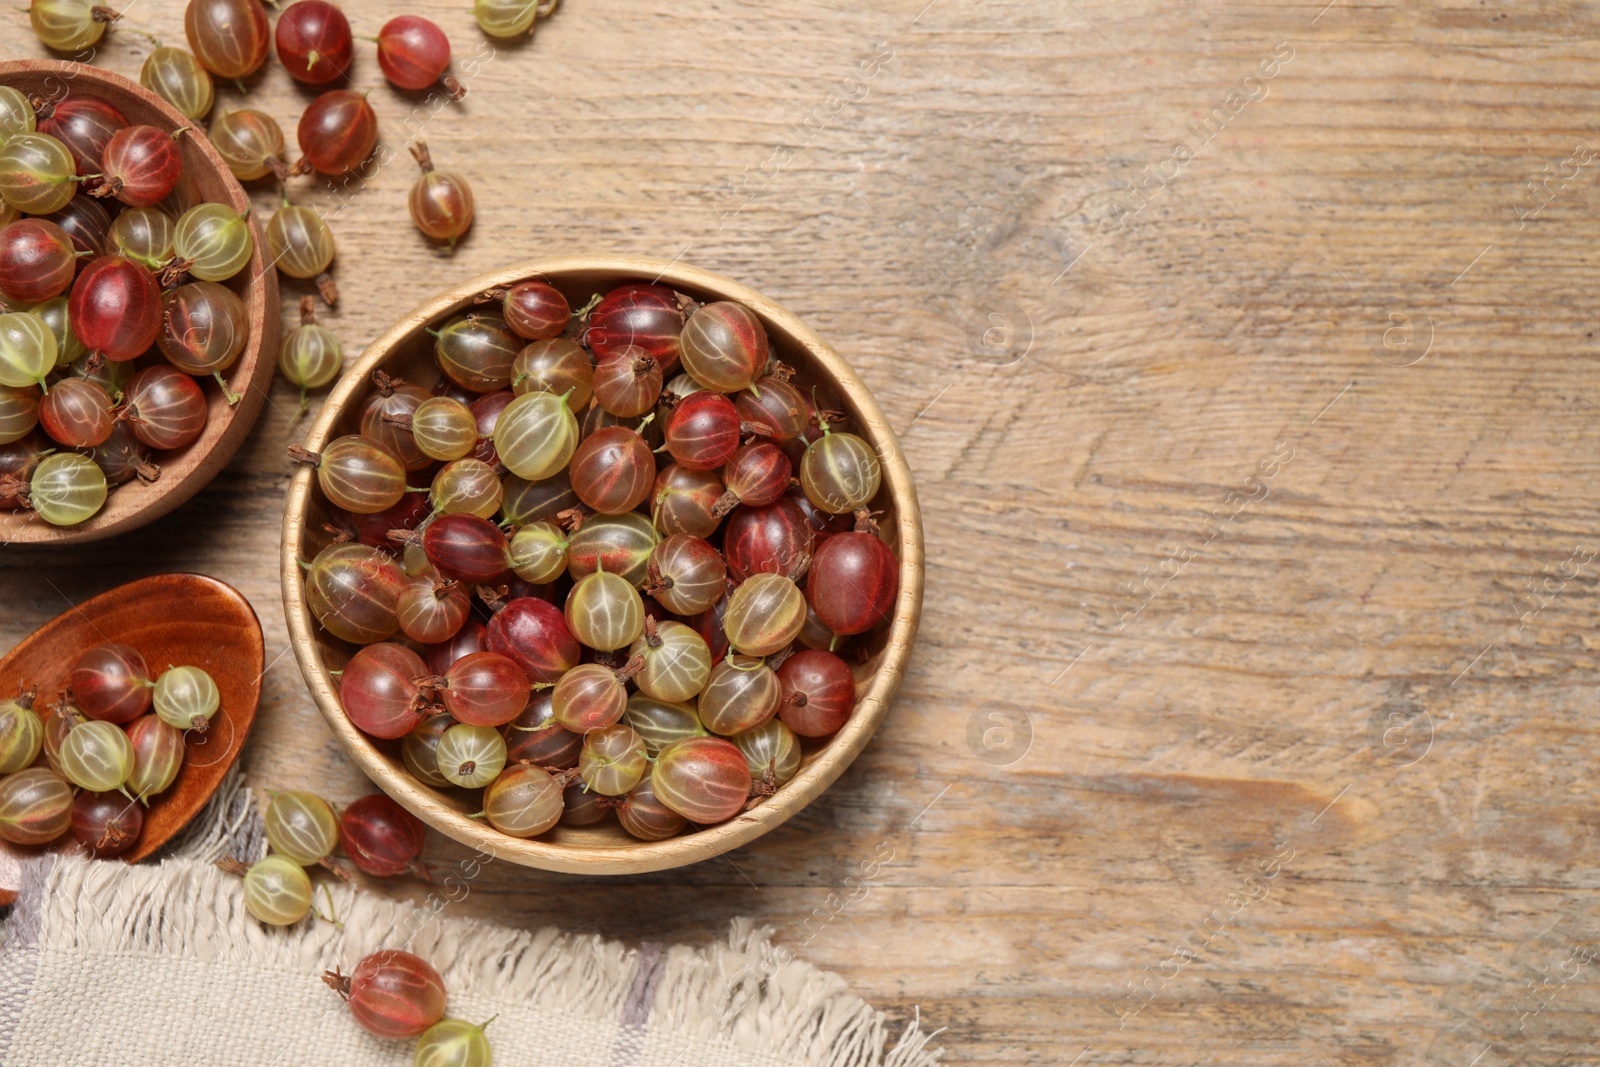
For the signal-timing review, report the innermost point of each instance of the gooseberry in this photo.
(392, 994)
(141, 165)
(302, 827)
(77, 413)
(724, 347)
(476, 351)
(534, 436)
(164, 408)
(741, 694)
(683, 501)
(839, 472)
(69, 25)
(819, 693)
(251, 142)
(470, 756)
(229, 37)
(314, 42)
(107, 824)
(115, 308)
(35, 806)
(604, 611)
(537, 310)
(523, 801)
(382, 838)
(534, 633)
(111, 682)
(37, 173)
(704, 779)
(771, 539)
(277, 891)
(646, 316)
(379, 692)
(854, 580)
(157, 757)
(441, 200)
(186, 697)
(97, 756)
(143, 234)
(535, 737)
(21, 734)
(178, 78)
(613, 760)
(612, 470)
(337, 132)
(758, 474)
(765, 613)
(645, 816)
(37, 261)
(213, 242)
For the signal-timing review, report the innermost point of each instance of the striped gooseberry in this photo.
(704, 779)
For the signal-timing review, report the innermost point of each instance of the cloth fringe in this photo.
(744, 994)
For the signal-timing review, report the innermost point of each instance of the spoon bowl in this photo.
(172, 620)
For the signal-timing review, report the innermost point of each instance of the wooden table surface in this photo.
(1243, 355)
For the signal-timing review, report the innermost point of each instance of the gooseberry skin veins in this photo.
(412, 51)
(524, 801)
(37, 261)
(314, 42)
(277, 891)
(647, 316)
(704, 779)
(819, 693)
(485, 689)
(534, 633)
(766, 540)
(395, 994)
(380, 837)
(111, 681)
(165, 408)
(702, 431)
(35, 806)
(229, 37)
(538, 311)
(141, 165)
(465, 547)
(612, 470)
(724, 347)
(378, 690)
(301, 826)
(338, 132)
(853, 582)
(77, 413)
(115, 308)
(107, 824)
(179, 78)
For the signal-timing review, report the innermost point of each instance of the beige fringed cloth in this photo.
(107, 964)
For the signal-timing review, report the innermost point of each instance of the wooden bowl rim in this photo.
(252, 373)
(642, 856)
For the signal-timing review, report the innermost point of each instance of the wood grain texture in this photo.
(1339, 664)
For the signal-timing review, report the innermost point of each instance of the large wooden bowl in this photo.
(184, 471)
(405, 349)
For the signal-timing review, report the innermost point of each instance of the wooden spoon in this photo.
(172, 620)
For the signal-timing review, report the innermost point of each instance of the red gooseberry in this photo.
(702, 431)
(141, 166)
(612, 470)
(85, 124)
(338, 131)
(818, 693)
(648, 316)
(534, 633)
(757, 475)
(37, 261)
(164, 407)
(483, 689)
(379, 692)
(111, 682)
(414, 52)
(854, 579)
(766, 540)
(704, 779)
(115, 308)
(536, 310)
(314, 42)
(392, 994)
(382, 838)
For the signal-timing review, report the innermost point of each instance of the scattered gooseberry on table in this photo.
(310, 355)
(382, 838)
(510, 18)
(229, 37)
(314, 42)
(441, 200)
(178, 78)
(302, 827)
(414, 53)
(337, 132)
(69, 25)
(453, 1043)
(250, 142)
(301, 246)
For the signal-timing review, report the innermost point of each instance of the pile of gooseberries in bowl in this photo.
(602, 565)
(139, 324)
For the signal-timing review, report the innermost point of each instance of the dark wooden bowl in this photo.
(185, 471)
(172, 620)
(406, 350)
